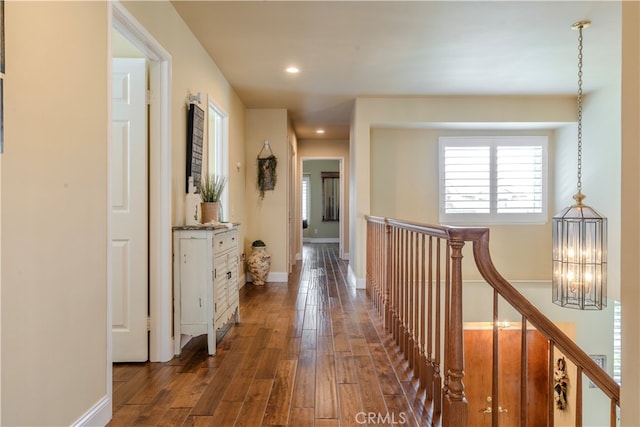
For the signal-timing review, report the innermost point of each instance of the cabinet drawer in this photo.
(225, 241)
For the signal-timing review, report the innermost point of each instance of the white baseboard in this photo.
(273, 276)
(321, 240)
(98, 415)
(345, 256)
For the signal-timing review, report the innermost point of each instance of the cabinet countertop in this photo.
(219, 226)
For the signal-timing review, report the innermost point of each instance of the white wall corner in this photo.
(98, 415)
(354, 281)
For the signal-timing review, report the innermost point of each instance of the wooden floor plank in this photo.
(372, 398)
(350, 404)
(279, 404)
(226, 413)
(310, 352)
(268, 363)
(305, 385)
(301, 417)
(252, 410)
(326, 394)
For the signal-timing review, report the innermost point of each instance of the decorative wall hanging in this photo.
(560, 381)
(195, 133)
(267, 175)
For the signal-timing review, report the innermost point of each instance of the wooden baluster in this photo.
(552, 401)
(410, 303)
(396, 326)
(429, 374)
(495, 364)
(382, 276)
(372, 248)
(578, 390)
(424, 317)
(382, 260)
(454, 411)
(368, 257)
(390, 277)
(398, 302)
(524, 355)
(403, 292)
(419, 302)
(437, 377)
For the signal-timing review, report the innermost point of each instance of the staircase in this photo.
(414, 278)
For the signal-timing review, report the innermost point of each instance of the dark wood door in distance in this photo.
(478, 345)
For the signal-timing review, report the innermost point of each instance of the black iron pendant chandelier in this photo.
(580, 237)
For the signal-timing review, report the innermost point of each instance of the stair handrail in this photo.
(479, 237)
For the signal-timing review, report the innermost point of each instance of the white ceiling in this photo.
(395, 48)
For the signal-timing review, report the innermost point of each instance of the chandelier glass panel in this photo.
(580, 238)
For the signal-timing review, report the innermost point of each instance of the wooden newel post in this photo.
(454, 409)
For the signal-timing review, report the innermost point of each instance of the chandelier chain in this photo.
(580, 110)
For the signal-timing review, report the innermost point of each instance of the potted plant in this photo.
(259, 262)
(211, 188)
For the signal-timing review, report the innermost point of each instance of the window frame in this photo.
(306, 201)
(218, 150)
(493, 217)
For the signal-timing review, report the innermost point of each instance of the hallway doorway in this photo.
(159, 188)
(322, 201)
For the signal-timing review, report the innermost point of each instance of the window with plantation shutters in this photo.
(493, 180)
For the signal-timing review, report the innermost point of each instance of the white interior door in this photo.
(129, 211)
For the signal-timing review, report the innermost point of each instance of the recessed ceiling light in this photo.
(292, 70)
(320, 131)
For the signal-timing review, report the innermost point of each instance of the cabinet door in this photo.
(232, 286)
(220, 285)
(193, 280)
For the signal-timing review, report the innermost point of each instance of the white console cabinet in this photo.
(205, 282)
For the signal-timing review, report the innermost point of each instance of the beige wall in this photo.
(319, 148)
(630, 214)
(194, 72)
(267, 218)
(405, 185)
(54, 212)
(440, 112)
(54, 194)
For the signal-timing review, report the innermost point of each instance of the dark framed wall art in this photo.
(195, 134)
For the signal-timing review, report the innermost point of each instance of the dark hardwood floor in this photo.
(309, 352)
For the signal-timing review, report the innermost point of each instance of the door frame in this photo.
(160, 255)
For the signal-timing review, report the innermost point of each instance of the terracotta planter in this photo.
(209, 212)
(258, 264)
